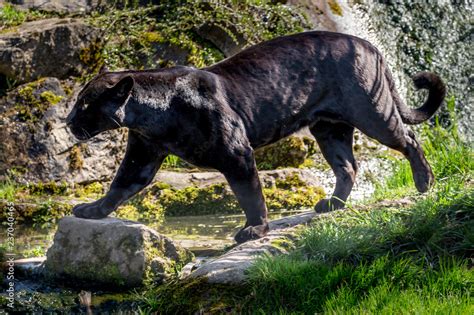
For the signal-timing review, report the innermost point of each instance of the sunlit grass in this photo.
(395, 285)
(8, 189)
(10, 16)
(380, 260)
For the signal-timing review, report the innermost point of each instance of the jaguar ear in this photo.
(122, 89)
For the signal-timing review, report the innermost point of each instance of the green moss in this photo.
(129, 212)
(290, 181)
(67, 87)
(37, 251)
(95, 188)
(50, 97)
(284, 244)
(157, 269)
(192, 200)
(53, 300)
(92, 56)
(48, 188)
(143, 207)
(192, 297)
(292, 193)
(45, 202)
(130, 41)
(335, 7)
(289, 152)
(108, 273)
(76, 161)
(153, 37)
(288, 193)
(31, 107)
(48, 211)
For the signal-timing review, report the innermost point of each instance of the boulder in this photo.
(35, 143)
(231, 267)
(52, 47)
(111, 251)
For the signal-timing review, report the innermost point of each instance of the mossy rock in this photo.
(292, 151)
(33, 99)
(112, 253)
(162, 200)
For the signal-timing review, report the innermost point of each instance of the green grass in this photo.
(380, 260)
(10, 16)
(8, 189)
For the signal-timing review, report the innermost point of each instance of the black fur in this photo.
(215, 117)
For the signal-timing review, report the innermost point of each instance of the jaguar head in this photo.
(100, 105)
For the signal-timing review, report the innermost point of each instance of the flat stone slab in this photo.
(111, 251)
(230, 267)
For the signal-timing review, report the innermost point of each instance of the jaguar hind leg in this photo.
(390, 131)
(335, 142)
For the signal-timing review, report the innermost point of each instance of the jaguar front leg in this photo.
(242, 176)
(140, 164)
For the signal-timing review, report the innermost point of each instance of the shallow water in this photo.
(201, 234)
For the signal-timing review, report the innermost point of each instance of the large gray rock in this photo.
(231, 267)
(111, 251)
(52, 47)
(35, 142)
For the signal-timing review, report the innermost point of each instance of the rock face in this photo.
(230, 268)
(111, 252)
(35, 142)
(52, 47)
(63, 6)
